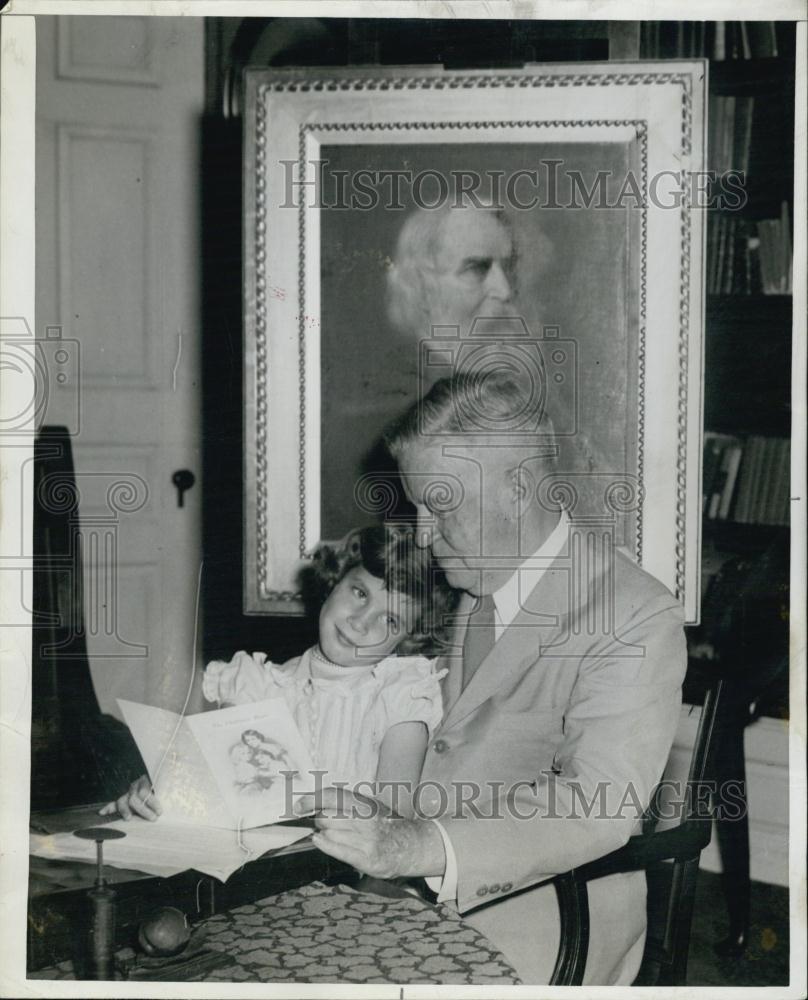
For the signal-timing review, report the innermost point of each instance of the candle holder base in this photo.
(194, 961)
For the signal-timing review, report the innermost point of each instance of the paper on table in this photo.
(165, 848)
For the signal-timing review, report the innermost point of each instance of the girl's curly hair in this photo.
(389, 553)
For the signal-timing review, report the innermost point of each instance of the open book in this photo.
(166, 848)
(217, 775)
(234, 768)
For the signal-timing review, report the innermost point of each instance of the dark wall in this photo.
(227, 629)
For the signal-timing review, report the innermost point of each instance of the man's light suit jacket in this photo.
(578, 703)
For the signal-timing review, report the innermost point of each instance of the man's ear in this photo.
(522, 485)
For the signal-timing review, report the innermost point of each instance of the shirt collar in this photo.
(319, 668)
(508, 599)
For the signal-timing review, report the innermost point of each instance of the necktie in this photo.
(480, 636)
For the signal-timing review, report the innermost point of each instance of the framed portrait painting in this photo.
(584, 182)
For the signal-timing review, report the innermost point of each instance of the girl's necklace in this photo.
(322, 657)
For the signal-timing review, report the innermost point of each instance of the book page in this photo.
(182, 780)
(258, 758)
(165, 848)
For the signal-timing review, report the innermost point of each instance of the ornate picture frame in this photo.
(599, 170)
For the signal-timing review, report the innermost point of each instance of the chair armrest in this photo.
(681, 843)
(677, 844)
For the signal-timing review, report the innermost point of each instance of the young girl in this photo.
(367, 697)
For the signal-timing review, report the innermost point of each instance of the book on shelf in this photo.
(742, 137)
(731, 464)
(746, 45)
(759, 514)
(722, 458)
(718, 40)
(747, 257)
(786, 257)
(753, 282)
(782, 498)
(747, 478)
(763, 482)
(729, 133)
(727, 284)
(774, 504)
(761, 38)
(776, 252)
(768, 252)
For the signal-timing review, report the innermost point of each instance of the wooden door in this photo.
(119, 103)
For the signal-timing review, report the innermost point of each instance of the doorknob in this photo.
(183, 479)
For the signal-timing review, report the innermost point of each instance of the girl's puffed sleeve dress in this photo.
(342, 713)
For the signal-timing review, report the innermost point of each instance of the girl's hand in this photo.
(138, 799)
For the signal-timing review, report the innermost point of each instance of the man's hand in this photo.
(361, 832)
(138, 799)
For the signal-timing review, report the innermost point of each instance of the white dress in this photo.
(342, 713)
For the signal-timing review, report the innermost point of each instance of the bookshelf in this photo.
(744, 633)
(748, 319)
(747, 409)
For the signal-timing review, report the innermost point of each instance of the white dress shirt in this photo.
(507, 604)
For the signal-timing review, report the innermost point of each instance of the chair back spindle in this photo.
(681, 845)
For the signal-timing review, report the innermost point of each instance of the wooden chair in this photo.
(681, 845)
(745, 628)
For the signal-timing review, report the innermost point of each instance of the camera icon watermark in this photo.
(48, 370)
(546, 367)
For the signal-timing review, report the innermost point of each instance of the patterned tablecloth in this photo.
(322, 934)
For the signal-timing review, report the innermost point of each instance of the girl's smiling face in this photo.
(362, 622)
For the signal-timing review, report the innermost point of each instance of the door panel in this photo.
(119, 107)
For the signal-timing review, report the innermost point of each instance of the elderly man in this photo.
(561, 711)
(451, 266)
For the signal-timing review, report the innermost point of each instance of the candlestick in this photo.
(102, 897)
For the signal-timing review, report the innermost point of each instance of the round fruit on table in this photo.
(165, 932)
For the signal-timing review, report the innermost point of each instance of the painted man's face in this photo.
(472, 272)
